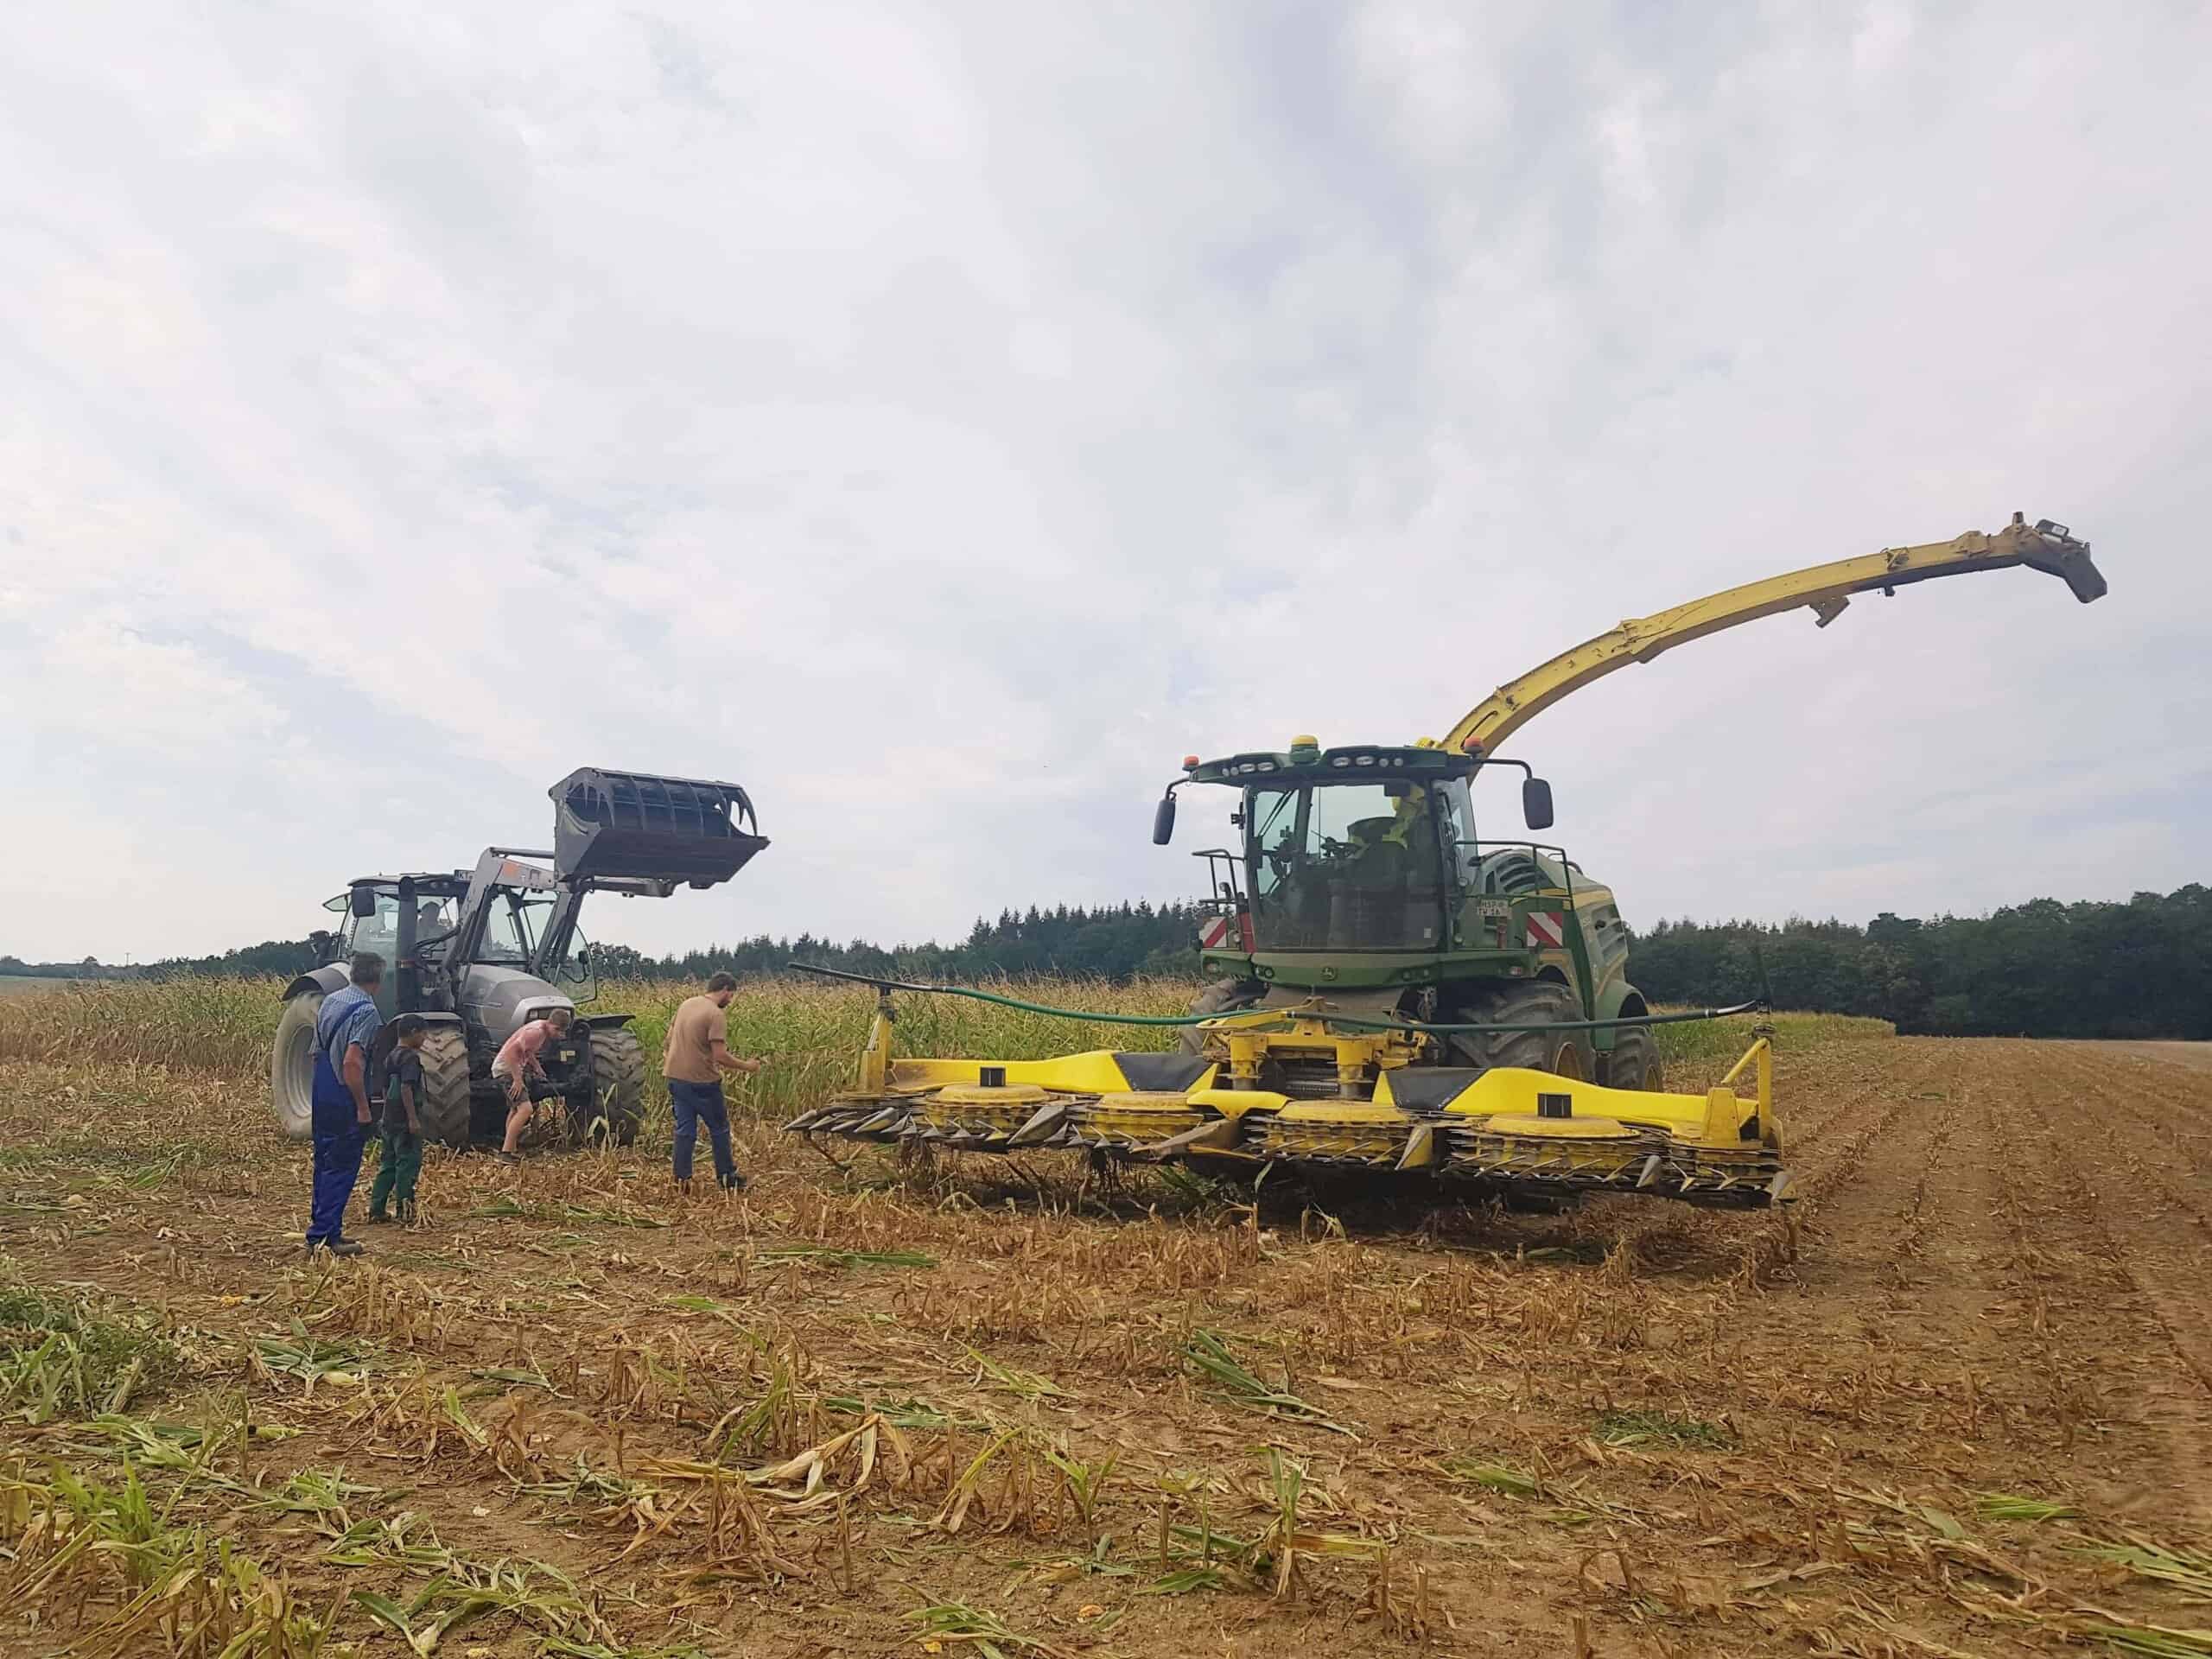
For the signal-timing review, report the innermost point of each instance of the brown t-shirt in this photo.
(693, 1030)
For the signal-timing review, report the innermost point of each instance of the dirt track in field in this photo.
(1693, 1433)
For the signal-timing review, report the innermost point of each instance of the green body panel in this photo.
(1370, 970)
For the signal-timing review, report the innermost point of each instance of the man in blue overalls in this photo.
(345, 1037)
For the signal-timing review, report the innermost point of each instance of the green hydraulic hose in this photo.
(1354, 1021)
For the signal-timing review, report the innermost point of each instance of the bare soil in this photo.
(1632, 1429)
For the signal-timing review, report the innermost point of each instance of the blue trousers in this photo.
(340, 1136)
(697, 1103)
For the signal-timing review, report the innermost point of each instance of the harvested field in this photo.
(1956, 1403)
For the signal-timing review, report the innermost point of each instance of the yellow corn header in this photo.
(1500, 1126)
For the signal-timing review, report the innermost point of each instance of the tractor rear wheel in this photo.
(1544, 1002)
(1223, 996)
(618, 1090)
(291, 1066)
(443, 1109)
(1634, 1063)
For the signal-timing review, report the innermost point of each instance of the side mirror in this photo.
(365, 903)
(1536, 803)
(1163, 821)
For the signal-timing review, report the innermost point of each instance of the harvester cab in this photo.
(480, 952)
(1391, 991)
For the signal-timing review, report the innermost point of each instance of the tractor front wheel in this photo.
(1542, 1003)
(617, 1090)
(291, 1066)
(1223, 996)
(443, 1109)
(1634, 1063)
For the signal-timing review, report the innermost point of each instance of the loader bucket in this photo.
(635, 825)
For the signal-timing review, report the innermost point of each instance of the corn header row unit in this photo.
(1395, 993)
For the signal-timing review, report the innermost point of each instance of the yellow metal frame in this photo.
(1509, 1124)
(1824, 589)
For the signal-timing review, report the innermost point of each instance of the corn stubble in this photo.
(894, 1406)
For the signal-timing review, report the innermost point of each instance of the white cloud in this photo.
(942, 420)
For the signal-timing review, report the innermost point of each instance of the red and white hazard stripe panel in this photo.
(1226, 933)
(1547, 930)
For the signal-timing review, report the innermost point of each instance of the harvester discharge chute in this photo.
(1500, 1127)
(1391, 992)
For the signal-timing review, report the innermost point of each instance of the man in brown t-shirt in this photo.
(693, 1059)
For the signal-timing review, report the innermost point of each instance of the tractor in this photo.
(1393, 991)
(480, 952)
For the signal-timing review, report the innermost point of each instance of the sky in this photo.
(941, 418)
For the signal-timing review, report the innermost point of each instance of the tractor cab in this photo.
(428, 925)
(1365, 856)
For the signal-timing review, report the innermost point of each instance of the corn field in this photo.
(1952, 1403)
(809, 1033)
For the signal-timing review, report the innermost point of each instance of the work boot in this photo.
(407, 1213)
(732, 1182)
(376, 1218)
(683, 1186)
(506, 1157)
(347, 1246)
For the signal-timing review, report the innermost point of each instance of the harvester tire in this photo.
(1567, 1053)
(1223, 996)
(443, 1110)
(1634, 1063)
(618, 1089)
(291, 1066)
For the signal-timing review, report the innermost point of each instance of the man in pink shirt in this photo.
(518, 1063)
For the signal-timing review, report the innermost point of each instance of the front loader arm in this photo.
(1825, 589)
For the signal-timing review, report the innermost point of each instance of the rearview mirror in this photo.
(365, 903)
(1163, 821)
(1536, 803)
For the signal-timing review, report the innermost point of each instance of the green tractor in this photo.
(480, 952)
(1393, 991)
(1360, 880)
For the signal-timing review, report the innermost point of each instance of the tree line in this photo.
(1113, 942)
(1118, 943)
(2141, 969)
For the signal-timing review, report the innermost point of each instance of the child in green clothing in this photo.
(402, 1127)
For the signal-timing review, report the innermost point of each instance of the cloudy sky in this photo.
(942, 418)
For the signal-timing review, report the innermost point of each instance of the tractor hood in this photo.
(502, 999)
(632, 825)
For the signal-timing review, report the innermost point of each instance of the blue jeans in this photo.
(697, 1103)
(340, 1136)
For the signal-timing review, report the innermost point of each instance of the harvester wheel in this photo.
(1634, 1063)
(443, 1109)
(617, 1087)
(1223, 996)
(1542, 1003)
(291, 1066)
